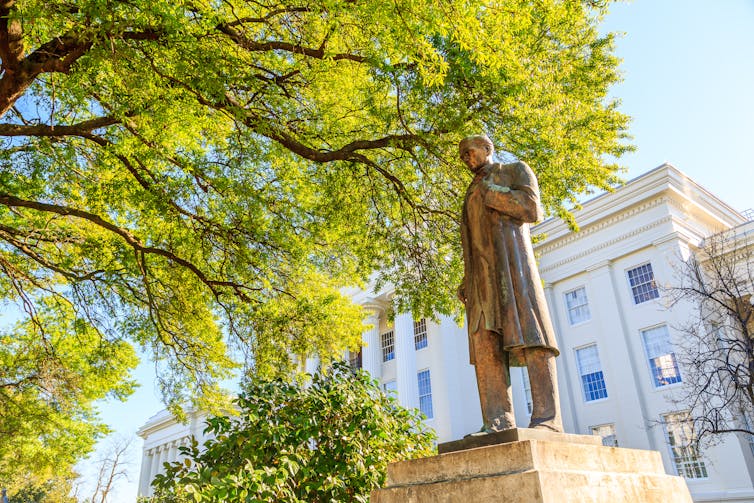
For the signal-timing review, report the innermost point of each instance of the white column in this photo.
(443, 379)
(155, 468)
(371, 351)
(460, 380)
(172, 451)
(405, 360)
(160, 453)
(183, 442)
(146, 473)
(565, 384)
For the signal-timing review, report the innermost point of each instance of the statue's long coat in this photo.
(502, 284)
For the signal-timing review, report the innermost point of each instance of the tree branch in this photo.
(11, 37)
(83, 129)
(133, 241)
(56, 55)
(279, 45)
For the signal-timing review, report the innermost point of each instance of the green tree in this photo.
(328, 440)
(51, 374)
(58, 489)
(201, 178)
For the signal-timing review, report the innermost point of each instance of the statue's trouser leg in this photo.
(493, 381)
(540, 363)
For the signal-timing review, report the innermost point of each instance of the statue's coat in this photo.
(502, 285)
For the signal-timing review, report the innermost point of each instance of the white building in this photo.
(617, 367)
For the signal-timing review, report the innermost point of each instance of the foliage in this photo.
(177, 169)
(718, 348)
(51, 375)
(330, 440)
(201, 178)
(31, 490)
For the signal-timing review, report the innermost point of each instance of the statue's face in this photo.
(474, 155)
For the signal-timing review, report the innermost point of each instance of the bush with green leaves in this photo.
(327, 440)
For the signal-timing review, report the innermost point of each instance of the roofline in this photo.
(598, 207)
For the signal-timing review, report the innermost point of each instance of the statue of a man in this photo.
(508, 321)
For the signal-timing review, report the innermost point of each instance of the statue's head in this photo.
(476, 151)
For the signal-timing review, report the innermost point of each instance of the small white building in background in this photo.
(617, 338)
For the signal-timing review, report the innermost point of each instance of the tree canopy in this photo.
(200, 179)
(53, 371)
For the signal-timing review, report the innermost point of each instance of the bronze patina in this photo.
(507, 316)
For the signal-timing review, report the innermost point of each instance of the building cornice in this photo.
(635, 196)
(550, 245)
(605, 244)
(162, 420)
(663, 185)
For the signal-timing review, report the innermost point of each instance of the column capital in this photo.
(374, 306)
(669, 240)
(602, 264)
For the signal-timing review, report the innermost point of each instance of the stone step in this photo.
(544, 486)
(524, 456)
(515, 435)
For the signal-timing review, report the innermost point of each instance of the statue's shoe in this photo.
(547, 423)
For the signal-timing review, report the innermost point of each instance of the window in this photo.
(390, 388)
(527, 389)
(420, 334)
(662, 362)
(642, 281)
(388, 346)
(578, 306)
(590, 370)
(607, 432)
(425, 393)
(354, 359)
(683, 449)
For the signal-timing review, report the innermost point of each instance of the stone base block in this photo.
(534, 471)
(515, 435)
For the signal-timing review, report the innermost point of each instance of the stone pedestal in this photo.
(533, 466)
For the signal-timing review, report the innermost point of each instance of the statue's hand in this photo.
(497, 188)
(461, 293)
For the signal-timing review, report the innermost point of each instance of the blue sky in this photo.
(689, 86)
(688, 69)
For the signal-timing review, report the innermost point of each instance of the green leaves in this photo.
(327, 440)
(200, 179)
(51, 375)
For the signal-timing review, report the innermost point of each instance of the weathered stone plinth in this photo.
(534, 467)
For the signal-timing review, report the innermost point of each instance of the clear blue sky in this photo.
(689, 86)
(688, 70)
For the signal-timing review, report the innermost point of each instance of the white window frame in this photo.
(610, 440)
(390, 388)
(687, 461)
(656, 380)
(652, 282)
(571, 309)
(355, 360)
(427, 394)
(585, 393)
(420, 334)
(387, 344)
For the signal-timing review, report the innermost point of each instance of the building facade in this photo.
(618, 368)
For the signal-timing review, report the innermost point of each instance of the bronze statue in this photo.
(509, 324)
